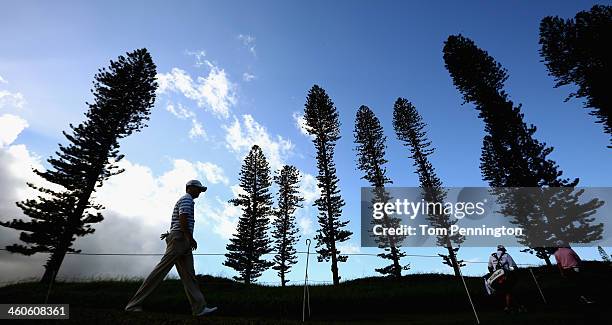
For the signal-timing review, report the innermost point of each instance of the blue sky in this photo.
(236, 72)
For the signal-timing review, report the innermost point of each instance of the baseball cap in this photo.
(196, 183)
(501, 248)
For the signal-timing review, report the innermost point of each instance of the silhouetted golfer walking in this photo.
(569, 263)
(179, 244)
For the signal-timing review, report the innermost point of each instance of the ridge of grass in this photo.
(415, 298)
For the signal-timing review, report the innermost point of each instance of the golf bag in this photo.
(499, 278)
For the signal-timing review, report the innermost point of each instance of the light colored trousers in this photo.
(178, 253)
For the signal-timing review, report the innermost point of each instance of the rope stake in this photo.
(306, 300)
(538, 285)
(469, 297)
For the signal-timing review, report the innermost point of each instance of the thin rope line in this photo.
(223, 254)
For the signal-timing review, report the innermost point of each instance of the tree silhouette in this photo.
(577, 51)
(322, 123)
(370, 141)
(123, 96)
(512, 157)
(250, 241)
(285, 231)
(410, 129)
(604, 255)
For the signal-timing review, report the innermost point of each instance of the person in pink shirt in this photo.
(568, 263)
(567, 259)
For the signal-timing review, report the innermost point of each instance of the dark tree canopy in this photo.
(285, 232)
(250, 242)
(323, 124)
(511, 156)
(578, 51)
(410, 129)
(123, 95)
(370, 141)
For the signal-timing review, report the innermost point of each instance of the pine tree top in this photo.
(370, 140)
(474, 72)
(321, 115)
(511, 155)
(574, 49)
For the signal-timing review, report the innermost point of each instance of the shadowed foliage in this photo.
(512, 157)
(578, 51)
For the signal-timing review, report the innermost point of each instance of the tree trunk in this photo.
(334, 261)
(546, 259)
(57, 257)
(49, 275)
(453, 258)
(52, 267)
(397, 268)
(332, 239)
(396, 264)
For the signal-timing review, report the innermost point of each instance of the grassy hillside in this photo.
(417, 299)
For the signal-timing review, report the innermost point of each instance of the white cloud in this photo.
(10, 127)
(3, 81)
(309, 188)
(305, 224)
(199, 57)
(249, 42)
(213, 173)
(197, 130)
(240, 137)
(247, 76)
(348, 248)
(300, 124)
(225, 218)
(139, 195)
(180, 112)
(214, 92)
(237, 190)
(8, 98)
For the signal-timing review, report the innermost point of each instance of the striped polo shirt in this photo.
(183, 206)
